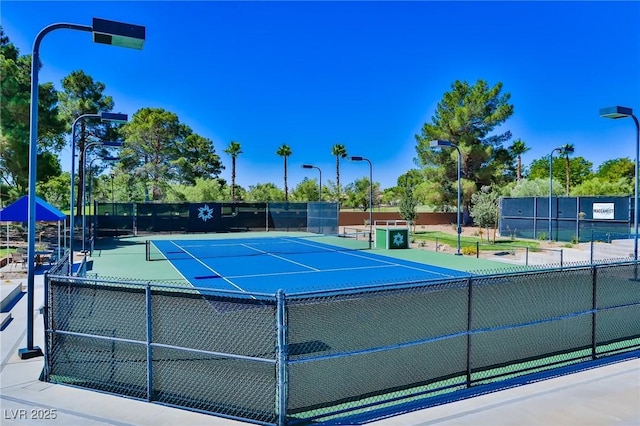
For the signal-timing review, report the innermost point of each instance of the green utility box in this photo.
(392, 238)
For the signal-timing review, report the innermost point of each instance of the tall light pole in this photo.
(439, 144)
(90, 192)
(561, 150)
(624, 112)
(310, 166)
(106, 117)
(370, 195)
(84, 173)
(104, 32)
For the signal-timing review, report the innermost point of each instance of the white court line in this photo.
(282, 258)
(351, 253)
(276, 274)
(209, 268)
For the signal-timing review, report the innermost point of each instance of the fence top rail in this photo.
(114, 282)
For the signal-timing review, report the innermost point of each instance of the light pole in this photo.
(106, 117)
(104, 32)
(440, 143)
(310, 166)
(561, 150)
(84, 173)
(370, 195)
(91, 192)
(113, 205)
(624, 112)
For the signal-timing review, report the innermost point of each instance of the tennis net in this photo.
(201, 249)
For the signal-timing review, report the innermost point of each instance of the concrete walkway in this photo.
(607, 395)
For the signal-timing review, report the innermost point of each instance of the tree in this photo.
(566, 150)
(15, 93)
(339, 151)
(82, 95)
(56, 190)
(159, 150)
(284, 151)
(600, 186)
(579, 170)
(517, 148)
(307, 190)
(202, 190)
(536, 188)
(466, 116)
(408, 206)
(234, 149)
(264, 192)
(197, 159)
(358, 194)
(612, 170)
(485, 208)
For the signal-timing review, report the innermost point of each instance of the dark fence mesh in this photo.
(572, 218)
(147, 218)
(322, 218)
(287, 216)
(219, 358)
(358, 336)
(322, 356)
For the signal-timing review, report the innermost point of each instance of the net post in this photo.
(147, 251)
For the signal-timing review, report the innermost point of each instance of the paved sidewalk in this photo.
(607, 395)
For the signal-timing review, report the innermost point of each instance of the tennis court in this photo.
(294, 264)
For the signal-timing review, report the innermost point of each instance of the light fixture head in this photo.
(616, 112)
(111, 143)
(118, 33)
(438, 143)
(114, 117)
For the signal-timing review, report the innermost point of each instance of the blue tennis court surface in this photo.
(294, 264)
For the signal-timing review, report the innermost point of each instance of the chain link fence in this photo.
(326, 355)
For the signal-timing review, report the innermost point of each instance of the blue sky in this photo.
(364, 74)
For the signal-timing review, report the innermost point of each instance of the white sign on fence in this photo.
(603, 210)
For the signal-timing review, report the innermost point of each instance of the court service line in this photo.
(374, 259)
(281, 258)
(210, 268)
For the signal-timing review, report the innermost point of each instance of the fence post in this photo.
(561, 252)
(149, 339)
(477, 250)
(47, 332)
(282, 354)
(469, 325)
(591, 249)
(436, 244)
(526, 256)
(594, 307)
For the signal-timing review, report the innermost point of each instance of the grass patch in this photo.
(452, 240)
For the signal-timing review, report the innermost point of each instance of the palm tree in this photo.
(565, 150)
(339, 151)
(518, 148)
(233, 150)
(284, 151)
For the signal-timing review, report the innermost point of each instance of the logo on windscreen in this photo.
(205, 213)
(398, 239)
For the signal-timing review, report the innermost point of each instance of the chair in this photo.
(17, 257)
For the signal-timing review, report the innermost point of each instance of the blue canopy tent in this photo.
(18, 212)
